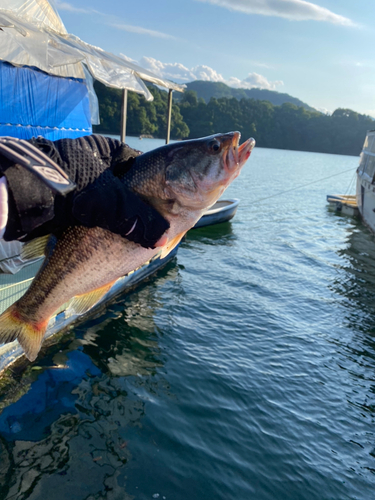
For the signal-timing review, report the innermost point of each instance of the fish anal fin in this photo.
(29, 335)
(35, 248)
(163, 241)
(167, 249)
(30, 340)
(83, 303)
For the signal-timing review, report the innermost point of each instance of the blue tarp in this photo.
(34, 103)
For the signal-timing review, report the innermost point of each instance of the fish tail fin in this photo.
(29, 335)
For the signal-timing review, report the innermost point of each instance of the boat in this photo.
(361, 204)
(365, 189)
(221, 211)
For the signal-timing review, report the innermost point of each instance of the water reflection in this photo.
(355, 337)
(87, 442)
(356, 278)
(218, 234)
(67, 435)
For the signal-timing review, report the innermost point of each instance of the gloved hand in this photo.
(108, 204)
(100, 198)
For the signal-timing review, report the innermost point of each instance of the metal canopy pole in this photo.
(123, 114)
(169, 116)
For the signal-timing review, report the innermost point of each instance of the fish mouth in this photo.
(235, 156)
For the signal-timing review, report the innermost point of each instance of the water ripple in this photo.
(244, 370)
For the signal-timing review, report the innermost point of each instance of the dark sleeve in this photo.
(34, 210)
(107, 203)
(95, 164)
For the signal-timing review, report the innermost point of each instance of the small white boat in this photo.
(221, 211)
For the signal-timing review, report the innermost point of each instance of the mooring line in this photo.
(299, 187)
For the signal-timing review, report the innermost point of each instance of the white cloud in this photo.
(260, 64)
(67, 6)
(127, 58)
(325, 111)
(206, 73)
(181, 74)
(294, 10)
(124, 27)
(140, 31)
(172, 71)
(256, 80)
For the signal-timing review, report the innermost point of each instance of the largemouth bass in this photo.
(181, 181)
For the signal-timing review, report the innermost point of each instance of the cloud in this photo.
(140, 31)
(181, 74)
(124, 27)
(294, 10)
(67, 6)
(254, 80)
(202, 72)
(325, 111)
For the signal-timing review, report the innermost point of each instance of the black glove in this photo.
(100, 198)
(107, 203)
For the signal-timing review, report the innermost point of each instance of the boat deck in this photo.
(13, 286)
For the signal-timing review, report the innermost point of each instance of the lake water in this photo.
(244, 370)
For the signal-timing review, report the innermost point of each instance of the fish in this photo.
(180, 180)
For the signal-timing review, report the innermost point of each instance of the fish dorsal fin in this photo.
(83, 303)
(35, 248)
(167, 249)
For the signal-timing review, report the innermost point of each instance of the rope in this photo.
(16, 284)
(350, 185)
(301, 186)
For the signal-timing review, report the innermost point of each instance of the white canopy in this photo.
(33, 34)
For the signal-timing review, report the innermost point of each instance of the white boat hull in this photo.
(366, 202)
(222, 211)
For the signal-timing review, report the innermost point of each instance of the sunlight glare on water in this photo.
(244, 369)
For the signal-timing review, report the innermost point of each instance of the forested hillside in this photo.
(285, 127)
(206, 90)
(143, 117)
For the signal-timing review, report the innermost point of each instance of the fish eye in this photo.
(214, 146)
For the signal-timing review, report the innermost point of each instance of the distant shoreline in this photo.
(285, 126)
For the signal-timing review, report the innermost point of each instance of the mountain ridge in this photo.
(207, 89)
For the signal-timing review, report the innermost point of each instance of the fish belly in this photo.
(82, 261)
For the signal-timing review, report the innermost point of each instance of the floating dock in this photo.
(346, 204)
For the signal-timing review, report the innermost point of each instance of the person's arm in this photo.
(100, 198)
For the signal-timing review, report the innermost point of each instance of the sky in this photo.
(321, 53)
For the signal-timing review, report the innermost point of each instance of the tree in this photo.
(287, 126)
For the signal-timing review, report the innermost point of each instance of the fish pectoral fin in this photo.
(35, 248)
(167, 249)
(83, 303)
(29, 335)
